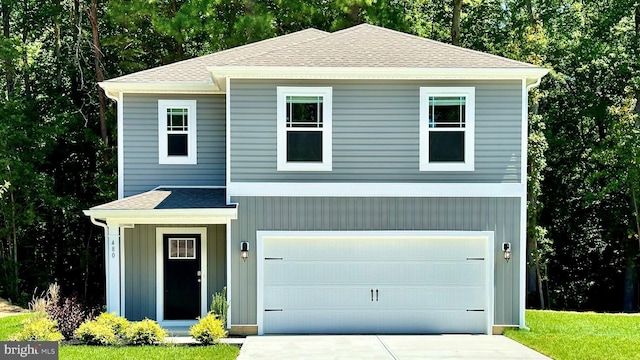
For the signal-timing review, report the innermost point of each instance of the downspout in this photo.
(535, 84)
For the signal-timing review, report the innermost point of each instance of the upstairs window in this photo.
(304, 128)
(447, 120)
(177, 142)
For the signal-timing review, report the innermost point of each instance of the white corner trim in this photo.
(120, 132)
(228, 138)
(229, 300)
(487, 236)
(123, 308)
(469, 129)
(160, 232)
(326, 130)
(375, 189)
(192, 132)
(523, 206)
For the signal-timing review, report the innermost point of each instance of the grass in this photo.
(589, 336)
(218, 352)
(12, 324)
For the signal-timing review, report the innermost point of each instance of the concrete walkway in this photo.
(385, 347)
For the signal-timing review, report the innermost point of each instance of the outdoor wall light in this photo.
(506, 251)
(244, 250)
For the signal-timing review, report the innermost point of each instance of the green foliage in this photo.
(572, 335)
(209, 330)
(10, 325)
(145, 332)
(220, 306)
(106, 329)
(38, 328)
(218, 352)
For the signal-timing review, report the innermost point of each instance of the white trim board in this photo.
(487, 236)
(375, 189)
(120, 140)
(160, 232)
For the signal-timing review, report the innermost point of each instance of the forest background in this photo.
(58, 146)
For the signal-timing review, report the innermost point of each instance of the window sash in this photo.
(182, 248)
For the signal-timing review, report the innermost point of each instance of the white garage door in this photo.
(375, 284)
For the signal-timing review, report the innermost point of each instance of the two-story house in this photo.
(361, 181)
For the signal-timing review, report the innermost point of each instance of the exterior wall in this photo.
(500, 215)
(140, 267)
(141, 169)
(375, 132)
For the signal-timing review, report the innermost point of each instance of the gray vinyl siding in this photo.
(141, 169)
(500, 215)
(140, 267)
(375, 132)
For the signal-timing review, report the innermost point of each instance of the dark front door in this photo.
(181, 276)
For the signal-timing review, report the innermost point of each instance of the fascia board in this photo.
(157, 214)
(532, 74)
(112, 89)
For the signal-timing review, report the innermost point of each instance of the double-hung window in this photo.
(447, 119)
(177, 143)
(304, 128)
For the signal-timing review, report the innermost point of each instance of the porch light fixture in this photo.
(506, 251)
(244, 250)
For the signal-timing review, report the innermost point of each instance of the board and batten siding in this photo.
(500, 215)
(142, 172)
(140, 267)
(375, 132)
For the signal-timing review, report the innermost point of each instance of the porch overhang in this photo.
(168, 206)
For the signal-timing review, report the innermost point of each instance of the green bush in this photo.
(106, 329)
(38, 328)
(219, 305)
(145, 332)
(94, 333)
(208, 330)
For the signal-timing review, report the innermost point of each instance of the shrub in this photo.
(145, 332)
(106, 329)
(38, 328)
(219, 305)
(208, 330)
(69, 313)
(94, 333)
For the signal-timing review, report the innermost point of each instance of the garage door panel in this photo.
(374, 248)
(375, 322)
(425, 284)
(346, 297)
(433, 297)
(318, 297)
(279, 272)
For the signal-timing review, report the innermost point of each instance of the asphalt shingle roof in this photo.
(171, 198)
(361, 46)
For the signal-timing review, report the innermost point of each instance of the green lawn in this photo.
(11, 324)
(584, 336)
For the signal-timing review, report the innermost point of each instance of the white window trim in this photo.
(469, 130)
(326, 93)
(192, 157)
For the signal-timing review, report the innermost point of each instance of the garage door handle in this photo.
(376, 294)
(371, 294)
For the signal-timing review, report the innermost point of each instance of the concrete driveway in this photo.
(387, 347)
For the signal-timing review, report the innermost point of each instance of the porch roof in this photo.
(168, 206)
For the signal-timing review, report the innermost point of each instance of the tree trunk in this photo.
(6, 33)
(629, 303)
(455, 25)
(92, 13)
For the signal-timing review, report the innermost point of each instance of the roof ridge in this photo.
(417, 37)
(284, 45)
(204, 57)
